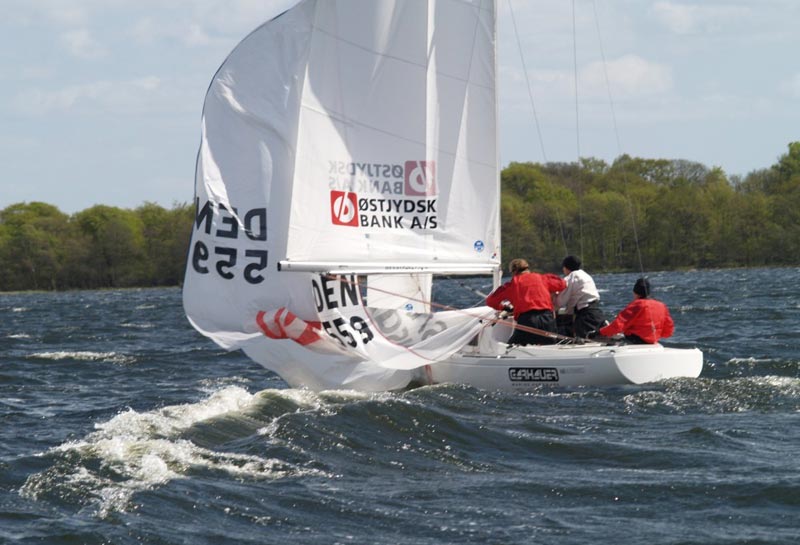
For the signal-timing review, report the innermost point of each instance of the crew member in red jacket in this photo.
(531, 295)
(644, 320)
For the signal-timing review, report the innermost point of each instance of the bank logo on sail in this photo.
(344, 208)
(384, 196)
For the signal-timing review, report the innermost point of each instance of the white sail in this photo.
(410, 292)
(397, 135)
(345, 136)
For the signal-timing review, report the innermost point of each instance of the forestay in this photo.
(349, 137)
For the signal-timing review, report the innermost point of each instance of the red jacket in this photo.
(646, 318)
(527, 291)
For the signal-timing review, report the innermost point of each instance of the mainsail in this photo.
(344, 140)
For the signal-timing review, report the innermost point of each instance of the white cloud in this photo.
(148, 32)
(100, 97)
(791, 87)
(37, 101)
(628, 76)
(35, 73)
(189, 22)
(65, 13)
(240, 16)
(195, 35)
(81, 44)
(148, 83)
(204, 22)
(688, 18)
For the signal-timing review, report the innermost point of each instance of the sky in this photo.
(100, 100)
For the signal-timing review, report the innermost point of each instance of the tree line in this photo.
(42, 248)
(651, 214)
(633, 214)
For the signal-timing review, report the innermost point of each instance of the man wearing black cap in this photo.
(580, 298)
(644, 320)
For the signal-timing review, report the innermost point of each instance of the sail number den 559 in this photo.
(227, 259)
(338, 303)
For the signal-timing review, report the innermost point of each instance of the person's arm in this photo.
(563, 298)
(611, 329)
(554, 283)
(619, 323)
(496, 298)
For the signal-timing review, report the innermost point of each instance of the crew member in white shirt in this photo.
(580, 298)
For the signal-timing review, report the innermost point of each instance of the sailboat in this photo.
(348, 156)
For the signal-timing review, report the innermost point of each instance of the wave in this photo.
(714, 396)
(273, 434)
(282, 435)
(130, 325)
(760, 366)
(136, 451)
(110, 357)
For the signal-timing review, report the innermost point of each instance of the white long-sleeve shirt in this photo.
(580, 291)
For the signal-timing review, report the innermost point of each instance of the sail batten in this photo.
(388, 267)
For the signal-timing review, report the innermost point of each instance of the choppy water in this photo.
(119, 424)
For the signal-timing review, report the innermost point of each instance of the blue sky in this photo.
(100, 100)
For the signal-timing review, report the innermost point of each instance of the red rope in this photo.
(492, 321)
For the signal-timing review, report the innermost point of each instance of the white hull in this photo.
(592, 364)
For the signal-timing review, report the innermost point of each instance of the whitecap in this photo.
(137, 326)
(111, 357)
(750, 361)
(144, 450)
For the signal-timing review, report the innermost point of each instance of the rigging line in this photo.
(527, 81)
(580, 221)
(467, 287)
(575, 67)
(616, 135)
(533, 109)
(635, 231)
(561, 228)
(577, 127)
(605, 74)
(492, 321)
(636, 237)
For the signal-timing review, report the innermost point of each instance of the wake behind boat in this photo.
(348, 155)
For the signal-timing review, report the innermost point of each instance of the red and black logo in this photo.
(344, 208)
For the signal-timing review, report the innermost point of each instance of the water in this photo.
(119, 424)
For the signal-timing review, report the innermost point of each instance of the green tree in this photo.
(117, 249)
(32, 251)
(785, 206)
(166, 239)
